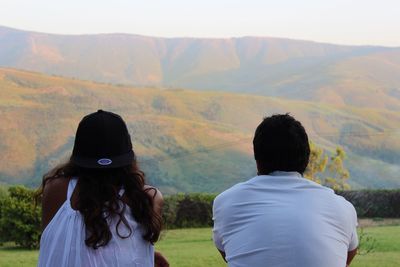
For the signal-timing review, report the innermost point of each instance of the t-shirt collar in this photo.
(284, 173)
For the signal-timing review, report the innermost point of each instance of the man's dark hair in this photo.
(281, 144)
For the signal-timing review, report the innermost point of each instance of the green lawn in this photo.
(13, 257)
(194, 248)
(387, 249)
(190, 247)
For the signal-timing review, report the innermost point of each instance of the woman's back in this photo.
(93, 225)
(63, 240)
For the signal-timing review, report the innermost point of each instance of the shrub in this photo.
(374, 203)
(188, 210)
(20, 218)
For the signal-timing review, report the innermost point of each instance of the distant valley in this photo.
(192, 104)
(185, 140)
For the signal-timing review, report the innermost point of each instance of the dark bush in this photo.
(188, 210)
(374, 203)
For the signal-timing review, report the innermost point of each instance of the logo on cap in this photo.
(104, 162)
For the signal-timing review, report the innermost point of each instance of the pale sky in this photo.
(355, 22)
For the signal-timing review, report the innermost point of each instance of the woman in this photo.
(96, 209)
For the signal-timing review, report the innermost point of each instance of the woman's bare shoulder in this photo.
(154, 193)
(54, 195)
(54, 186)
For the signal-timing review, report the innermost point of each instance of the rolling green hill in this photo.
(185, 140)
(362, 76)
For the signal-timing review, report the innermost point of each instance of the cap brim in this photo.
(104, 162)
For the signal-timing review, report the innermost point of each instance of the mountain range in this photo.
(217, 90)
(334, 74)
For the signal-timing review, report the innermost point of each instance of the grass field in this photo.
(194, 248)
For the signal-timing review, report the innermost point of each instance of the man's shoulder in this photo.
(345, 203)
(230, 193)
(339, 203)
(339, 199)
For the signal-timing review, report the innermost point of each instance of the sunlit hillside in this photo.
(185, 140)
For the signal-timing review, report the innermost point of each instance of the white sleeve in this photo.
(217, 228)
(354, 240)
(217, 240)
(354, 236)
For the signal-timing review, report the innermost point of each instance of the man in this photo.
(279, 218)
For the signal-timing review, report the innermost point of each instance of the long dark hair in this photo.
(98, 200)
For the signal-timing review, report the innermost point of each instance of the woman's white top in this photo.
(63, 242)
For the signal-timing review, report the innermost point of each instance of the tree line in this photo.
(20, 217)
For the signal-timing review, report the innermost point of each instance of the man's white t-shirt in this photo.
(283, 219)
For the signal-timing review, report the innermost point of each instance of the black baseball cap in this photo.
(102, 140)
